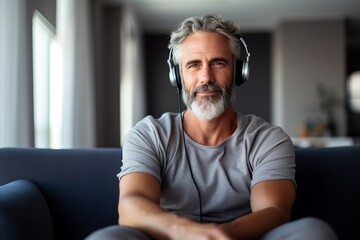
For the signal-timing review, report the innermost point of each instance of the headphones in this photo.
(241, 72)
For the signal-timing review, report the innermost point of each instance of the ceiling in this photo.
(250, 15)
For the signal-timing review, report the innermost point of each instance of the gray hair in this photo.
(208, 23)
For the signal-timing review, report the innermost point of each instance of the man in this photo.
(209, 172)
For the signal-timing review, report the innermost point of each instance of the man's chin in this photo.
(208, 112)
(206, 116)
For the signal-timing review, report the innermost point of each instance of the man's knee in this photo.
(117, 232)
(306, 228)
(316, 229)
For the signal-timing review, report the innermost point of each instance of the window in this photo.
(47, 84)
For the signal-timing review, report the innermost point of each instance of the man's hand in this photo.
(188, 230)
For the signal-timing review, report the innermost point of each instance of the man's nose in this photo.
(206, 75)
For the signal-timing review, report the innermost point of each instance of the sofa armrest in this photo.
(24, 213)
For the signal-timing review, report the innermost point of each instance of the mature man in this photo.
(208, 172)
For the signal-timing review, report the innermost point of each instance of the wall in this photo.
(307, 53)
(107, 66)
(161, 96)
(254, 97)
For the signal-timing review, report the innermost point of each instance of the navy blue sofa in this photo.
(69, 193)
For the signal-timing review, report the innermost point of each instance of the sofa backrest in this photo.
(328, 187)
(79, 185)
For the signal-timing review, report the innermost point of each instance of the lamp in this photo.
(354, 91)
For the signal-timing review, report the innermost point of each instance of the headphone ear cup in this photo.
(238, 73)
(242, 72)
(177, 77)
(245, 72)
(174, 72)
(172, 76)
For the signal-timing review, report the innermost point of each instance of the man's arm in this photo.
(139, 207)
(271, 203)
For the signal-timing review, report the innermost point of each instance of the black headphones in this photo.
(241, 73)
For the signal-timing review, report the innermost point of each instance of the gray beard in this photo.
(208, 107)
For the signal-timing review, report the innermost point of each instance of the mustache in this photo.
(207, 88)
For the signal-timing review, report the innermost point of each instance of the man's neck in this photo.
(210, 132)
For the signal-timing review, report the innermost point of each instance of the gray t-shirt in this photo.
(225, 173)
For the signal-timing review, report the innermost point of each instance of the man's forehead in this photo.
(204, 44)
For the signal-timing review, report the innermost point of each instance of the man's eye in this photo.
(218, 64)
(194, 65)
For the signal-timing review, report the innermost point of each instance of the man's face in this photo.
(207, 72)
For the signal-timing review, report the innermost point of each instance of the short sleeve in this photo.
(273, 155)
(139, 152)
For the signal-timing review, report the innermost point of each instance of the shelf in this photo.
(320, 142)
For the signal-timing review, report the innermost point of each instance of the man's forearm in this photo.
(256, 224)
(141, 213)
(139, 207)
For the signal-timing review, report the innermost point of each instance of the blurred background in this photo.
(82, 73)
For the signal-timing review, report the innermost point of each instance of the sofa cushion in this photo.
(24, 213)
(79, 185)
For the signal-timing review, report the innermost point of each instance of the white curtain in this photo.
(74, 38)
(16, 108)
(132, 94)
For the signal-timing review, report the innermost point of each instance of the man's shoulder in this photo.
(165, 119)
(162, 125)
(152, 131)
(250, 123)
(251, 120)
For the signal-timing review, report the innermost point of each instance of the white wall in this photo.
(307, 53)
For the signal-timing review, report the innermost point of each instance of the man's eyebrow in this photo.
(216, 59)
(190, 62)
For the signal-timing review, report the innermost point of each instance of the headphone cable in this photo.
(187, 156)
